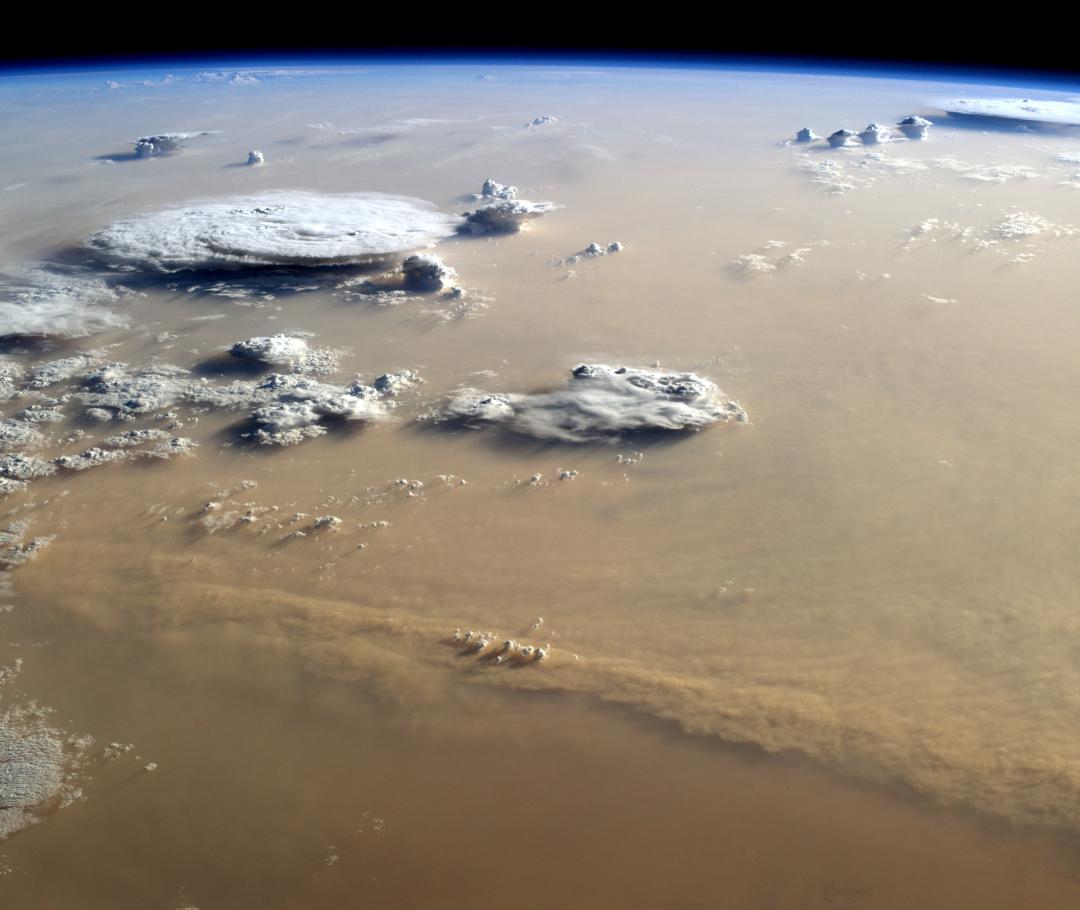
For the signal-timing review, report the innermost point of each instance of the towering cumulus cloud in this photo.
(506, 216)
(163, 143)
(601, 402)
(275, 229)
(53, 301)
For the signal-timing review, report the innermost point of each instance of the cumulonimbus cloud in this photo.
(275, 229)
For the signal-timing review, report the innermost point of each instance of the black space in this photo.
(867, 35)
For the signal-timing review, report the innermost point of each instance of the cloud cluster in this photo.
(284, 408)
(304, 407)
(912, 127)
(38, 761)
(600, 402)
(55, 302)
(32, 772)
(275, 229)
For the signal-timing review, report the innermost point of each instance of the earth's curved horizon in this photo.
(601, 482)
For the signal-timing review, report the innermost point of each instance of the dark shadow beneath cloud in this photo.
(510, 439)
(227, 366)
(984, 122)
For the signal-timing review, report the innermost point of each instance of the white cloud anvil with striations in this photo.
(275, 229)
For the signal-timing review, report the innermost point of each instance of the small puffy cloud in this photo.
(493, 190)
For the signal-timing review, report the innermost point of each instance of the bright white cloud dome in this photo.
(283, 229)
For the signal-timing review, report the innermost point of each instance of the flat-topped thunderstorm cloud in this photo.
(275, 229)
